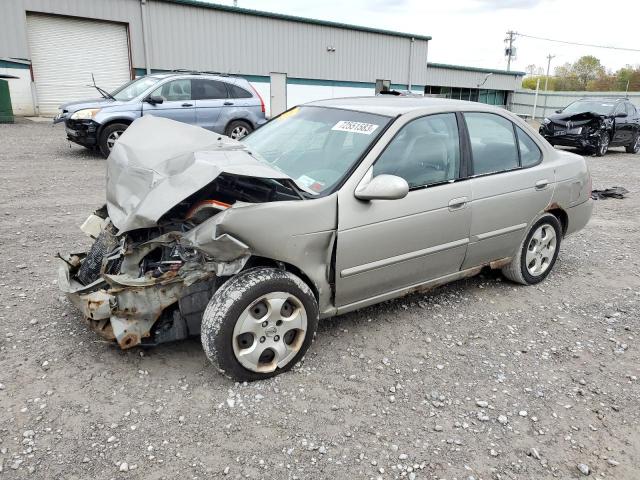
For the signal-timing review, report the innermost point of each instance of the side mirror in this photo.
(154, 99)
(621, 115)
(559, 111)
(382, 187)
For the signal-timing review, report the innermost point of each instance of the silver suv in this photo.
(223, 104)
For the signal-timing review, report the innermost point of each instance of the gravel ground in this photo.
(480, 379)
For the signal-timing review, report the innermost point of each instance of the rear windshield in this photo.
(134, 88)
(316, 146)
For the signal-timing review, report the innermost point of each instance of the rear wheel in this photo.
(259, 324)
(634, 146)
(238, 129)
(537, 253)
(109, 136)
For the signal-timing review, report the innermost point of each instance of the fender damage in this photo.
(186, 207)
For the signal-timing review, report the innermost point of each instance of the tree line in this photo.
(585, 74)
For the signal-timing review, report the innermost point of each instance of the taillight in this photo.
(260, 97)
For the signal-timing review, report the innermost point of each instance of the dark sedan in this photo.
(594, 125)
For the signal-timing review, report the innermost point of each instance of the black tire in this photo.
(634, 146)
(517, 270)
(232, 299)
(238, 129)
(603, 145)
(106, 133)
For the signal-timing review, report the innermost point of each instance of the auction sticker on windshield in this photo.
(355, 127)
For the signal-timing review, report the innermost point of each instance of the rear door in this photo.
(211, 98)
(510, 186)
(178, 103)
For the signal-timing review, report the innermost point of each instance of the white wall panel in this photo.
(20, 90)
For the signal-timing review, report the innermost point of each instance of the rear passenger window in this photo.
(238, 92)
(493, 144)
(530, 154)
(209, 90)
(424, 152)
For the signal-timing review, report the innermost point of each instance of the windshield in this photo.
(134, 88)
(599, 107)
(316, 146)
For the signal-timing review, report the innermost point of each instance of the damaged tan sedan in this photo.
(330, 207)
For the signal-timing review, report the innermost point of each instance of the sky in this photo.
(472, 32)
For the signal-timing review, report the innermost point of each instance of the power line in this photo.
(610, 47)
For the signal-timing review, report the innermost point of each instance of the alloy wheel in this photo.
(112, 138)
(238, 132)
(270, 332)
(604, 144)
(540, 250)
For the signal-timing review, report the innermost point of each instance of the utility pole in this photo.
(546, 80)
(509, 50)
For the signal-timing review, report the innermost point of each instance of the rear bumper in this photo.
(82, 132)
(579, 216)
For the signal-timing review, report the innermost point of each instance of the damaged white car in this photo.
(330, 207)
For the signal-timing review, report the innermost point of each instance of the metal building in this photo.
(484, 85)
(54, 47)
(60, 43)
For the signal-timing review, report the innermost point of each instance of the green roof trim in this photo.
(475, 69)
(11, 64)
(293, 18)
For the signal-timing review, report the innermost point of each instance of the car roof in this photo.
(603, 98)
(218, 76)
(397, 105)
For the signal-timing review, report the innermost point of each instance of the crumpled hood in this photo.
(158, 162)
(577, 119)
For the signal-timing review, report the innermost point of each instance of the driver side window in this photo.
(424, 152)
(174, 91)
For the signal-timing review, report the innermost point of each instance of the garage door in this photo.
(66, 51)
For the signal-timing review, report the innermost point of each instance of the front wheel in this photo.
(603, 145)
(537, 253)
(109, 136)
(259, 324)
(238, 129)
(634, 146)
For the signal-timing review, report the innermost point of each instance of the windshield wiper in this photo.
(102, 92)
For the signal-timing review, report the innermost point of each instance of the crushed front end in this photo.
(135, 289)
(584, 130)
(161, 248)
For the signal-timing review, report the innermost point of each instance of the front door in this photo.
(510, 186)
(387, 245)
(178, 103)
(624, 126)
(278, 93)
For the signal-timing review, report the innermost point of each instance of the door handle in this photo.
(457, 203)
(228, 103)
(187, 105)
(542, 184)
